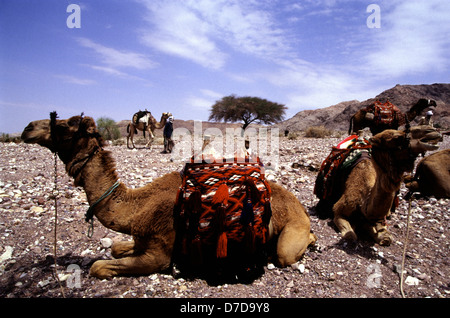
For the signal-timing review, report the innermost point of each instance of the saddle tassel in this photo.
(220, 199)
(222, 242)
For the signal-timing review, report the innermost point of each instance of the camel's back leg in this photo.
(292, 243)
(130, 137)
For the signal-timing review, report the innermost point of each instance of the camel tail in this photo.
(128, 128)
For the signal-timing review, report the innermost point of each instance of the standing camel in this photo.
(147, 213)
(146, 123)
(366, 117)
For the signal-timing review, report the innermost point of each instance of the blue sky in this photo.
(182, 56)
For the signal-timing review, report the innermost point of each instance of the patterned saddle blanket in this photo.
(220, 205)
(343, 157)
(386, 114)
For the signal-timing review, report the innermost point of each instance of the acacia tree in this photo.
(247, 109)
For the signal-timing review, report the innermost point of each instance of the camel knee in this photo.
(345, 228)
(122, 249)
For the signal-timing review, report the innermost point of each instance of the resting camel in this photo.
(432, 177)
(147, 213)
(364, 118)
(146, 123)
(370, 187)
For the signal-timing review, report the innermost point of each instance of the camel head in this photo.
(66, 137)
(426, 134)
(423, 104)
(399, 148)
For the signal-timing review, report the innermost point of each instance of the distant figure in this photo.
(286, 133)
(167, 133)
(427, 120)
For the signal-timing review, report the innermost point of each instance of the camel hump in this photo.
(387, 113)
(140, 114)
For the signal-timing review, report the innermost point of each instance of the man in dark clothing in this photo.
(167, 133)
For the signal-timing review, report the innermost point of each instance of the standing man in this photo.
(167, 133)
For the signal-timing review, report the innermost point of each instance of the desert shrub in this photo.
(293, 135)
(108, 128)
(317, 132)
(7, 138)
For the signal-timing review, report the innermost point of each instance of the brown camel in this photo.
(432, 177)
(371, 186)
(147, 213)
(366, 118)
(147, 123)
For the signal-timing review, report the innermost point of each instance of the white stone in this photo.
(106, 242)
(412, 281)
(7, 254)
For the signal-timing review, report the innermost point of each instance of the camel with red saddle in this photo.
(147, 213)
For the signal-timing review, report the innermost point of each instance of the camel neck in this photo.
(104, 193)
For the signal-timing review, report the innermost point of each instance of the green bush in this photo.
(108, 128)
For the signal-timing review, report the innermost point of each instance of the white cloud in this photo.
(178, 31)
(203, 31)
(113, 58)
(75, 80)
(413, 38)
(204, 100)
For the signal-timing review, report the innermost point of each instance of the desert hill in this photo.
(337, 117)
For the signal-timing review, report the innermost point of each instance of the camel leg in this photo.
(379, 233)
(122, 249)
(341, 212)
(130, 136)
(149, 262)
(292, 243)
(151, 137)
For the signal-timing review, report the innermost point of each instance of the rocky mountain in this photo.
(337, 117)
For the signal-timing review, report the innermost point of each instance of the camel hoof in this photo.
(99, 270)
(385, 240)
(349, 236)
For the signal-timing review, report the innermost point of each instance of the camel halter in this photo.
(89, 216)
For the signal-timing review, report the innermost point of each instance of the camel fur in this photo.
(432, 177)
(147, 213)
(148, 124)
(362, 118)
(369, 189)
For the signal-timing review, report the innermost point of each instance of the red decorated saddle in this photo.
(343, 157)
(386, 114)
(220, 207)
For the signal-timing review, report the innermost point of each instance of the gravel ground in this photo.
(330, 269)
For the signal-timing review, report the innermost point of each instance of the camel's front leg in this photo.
(151, 137)
(379, 233)
(144, 264)
(122, 249)
(342, 211)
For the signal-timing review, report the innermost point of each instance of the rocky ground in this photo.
(333, 268)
